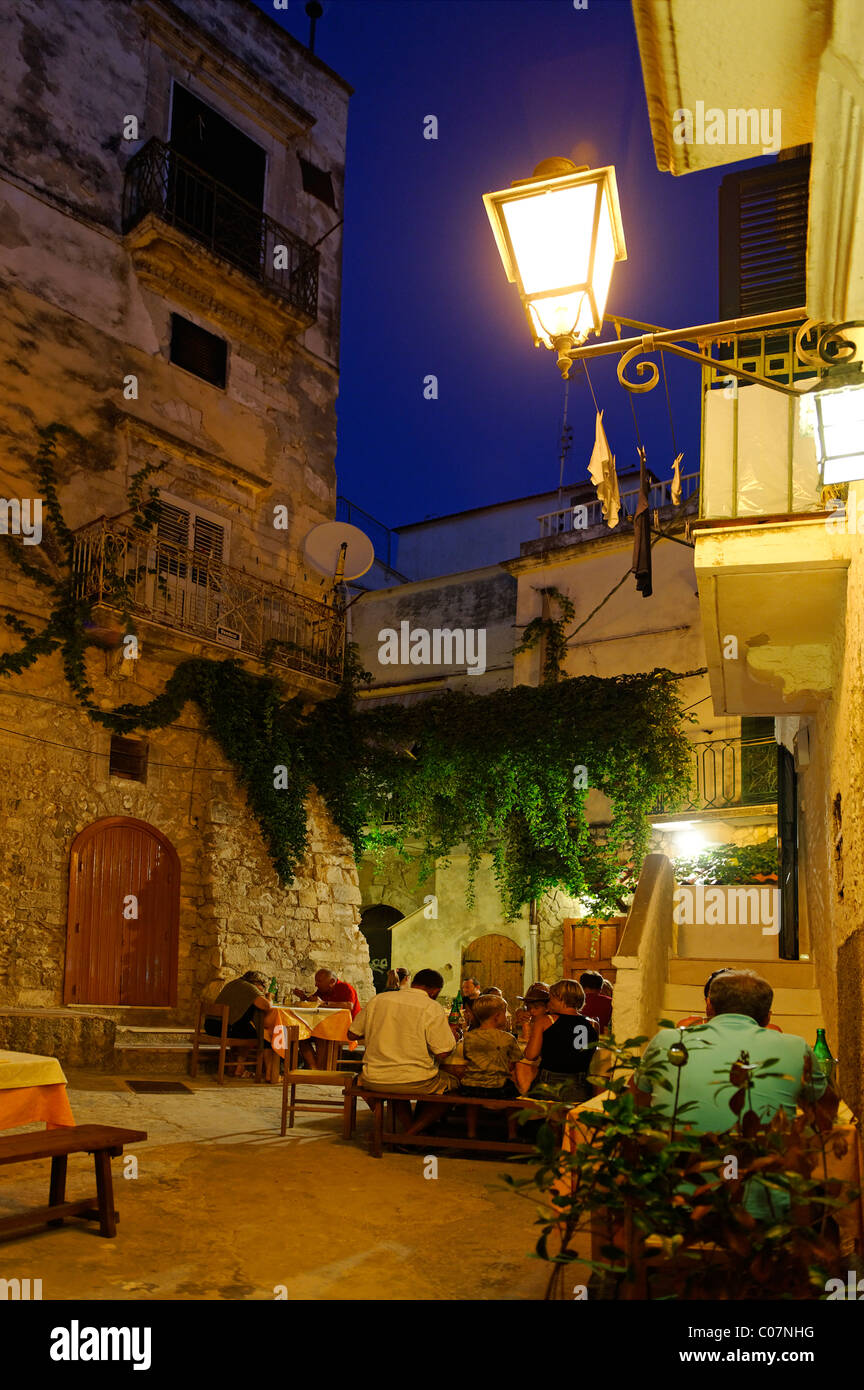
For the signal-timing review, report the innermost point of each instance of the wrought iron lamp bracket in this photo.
(831, 349)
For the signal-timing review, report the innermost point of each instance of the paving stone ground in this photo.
(224, 1208)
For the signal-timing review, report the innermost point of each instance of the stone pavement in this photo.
(224, 1208)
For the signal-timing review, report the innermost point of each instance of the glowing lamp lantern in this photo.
(559, 235)
(839, 426)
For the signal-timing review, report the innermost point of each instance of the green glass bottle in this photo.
(274, 988)
(455, 1015)
(458, 1002)
(825, 1059)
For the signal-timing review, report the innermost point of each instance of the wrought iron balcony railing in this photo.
(730, 772)
(133, 571)
(574, 519)
(161, 181)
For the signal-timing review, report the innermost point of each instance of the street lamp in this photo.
(559, 235)
(839, 425)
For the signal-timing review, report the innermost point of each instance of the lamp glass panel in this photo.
(551, 236)
(562, 315)
(842, 416)
(604, 257)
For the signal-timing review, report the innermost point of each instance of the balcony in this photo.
(573, 518)
(165, 190)
(770, 558)
(130, 571)
(730, 773)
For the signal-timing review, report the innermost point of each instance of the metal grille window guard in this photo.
(574, 519)
(161, 181)
(730, 772)
(199, 595)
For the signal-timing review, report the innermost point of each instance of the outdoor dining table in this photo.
(329, 1026)
(32, 1088)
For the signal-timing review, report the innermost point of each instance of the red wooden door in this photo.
(496, 960)
(590, 945)
(124, 908)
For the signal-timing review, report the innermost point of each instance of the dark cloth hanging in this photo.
(642, 533)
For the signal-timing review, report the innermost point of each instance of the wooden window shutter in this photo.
(763, 238)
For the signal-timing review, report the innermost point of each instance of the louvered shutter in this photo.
(763, 238)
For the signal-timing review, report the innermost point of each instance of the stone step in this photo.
(780, 974)
(805, 1002)
(155, 1037)
(130, 1016)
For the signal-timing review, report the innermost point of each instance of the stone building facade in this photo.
(164, 298)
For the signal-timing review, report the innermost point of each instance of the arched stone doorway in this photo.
(375, 924)
(124, 910)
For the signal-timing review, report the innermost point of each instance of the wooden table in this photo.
(32, 1088)
(329, 1028)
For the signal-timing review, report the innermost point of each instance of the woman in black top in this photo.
(564, 1041)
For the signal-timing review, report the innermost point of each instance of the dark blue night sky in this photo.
(511, 82)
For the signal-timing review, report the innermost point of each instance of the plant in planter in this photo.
(665, 1216)
(730, 864)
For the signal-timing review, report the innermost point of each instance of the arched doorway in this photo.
(124, 909)
(496, 960)
(375, 924)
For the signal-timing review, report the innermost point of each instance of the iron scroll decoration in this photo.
(831, 350)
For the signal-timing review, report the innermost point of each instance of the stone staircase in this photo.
(797, 1000)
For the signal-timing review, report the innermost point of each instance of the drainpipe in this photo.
(533, 944)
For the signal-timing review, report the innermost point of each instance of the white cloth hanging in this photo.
(601, 469)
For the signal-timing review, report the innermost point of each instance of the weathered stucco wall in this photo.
(831, 795)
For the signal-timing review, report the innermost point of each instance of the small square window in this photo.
(199, 352)
(128, 759)
(317, 182)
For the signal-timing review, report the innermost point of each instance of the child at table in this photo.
(489, 1052)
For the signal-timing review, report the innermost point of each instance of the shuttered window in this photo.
(188, 530)
(128, 759)
(317, 182)
(763, 238)
(197, 351)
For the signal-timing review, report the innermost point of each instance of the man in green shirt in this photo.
(738, 1010)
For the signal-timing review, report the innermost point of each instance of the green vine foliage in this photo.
(505, 773)
(550, 633)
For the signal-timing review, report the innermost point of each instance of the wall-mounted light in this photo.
(559, 235)
(838, 404)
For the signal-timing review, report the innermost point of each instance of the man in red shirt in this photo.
(597, 1006)
(332, 993)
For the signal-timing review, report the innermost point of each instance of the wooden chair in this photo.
(293, 1077)
(253, 1048)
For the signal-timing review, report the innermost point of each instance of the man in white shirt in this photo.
(407, 1037)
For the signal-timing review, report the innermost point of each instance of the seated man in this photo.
(331, 993)
(738, 1009)
(407, 1036)
(597, 1004)
(694, 1020)
(248, 1002)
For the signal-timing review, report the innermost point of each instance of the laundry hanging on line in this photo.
(601, 469)
(641, 566)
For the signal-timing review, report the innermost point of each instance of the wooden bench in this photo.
(381, 1138)
(104, 1142)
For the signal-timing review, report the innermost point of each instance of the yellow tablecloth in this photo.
(28, 1069)
(331, 1024)
(32, 1088)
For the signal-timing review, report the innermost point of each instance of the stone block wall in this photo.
(234, 913)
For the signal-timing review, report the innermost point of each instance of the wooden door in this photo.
(591, 946)
(496, 960)
(124, 908)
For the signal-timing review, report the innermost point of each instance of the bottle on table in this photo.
(825, 1059)
(274, 989)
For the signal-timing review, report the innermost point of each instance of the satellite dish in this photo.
(323, 550)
